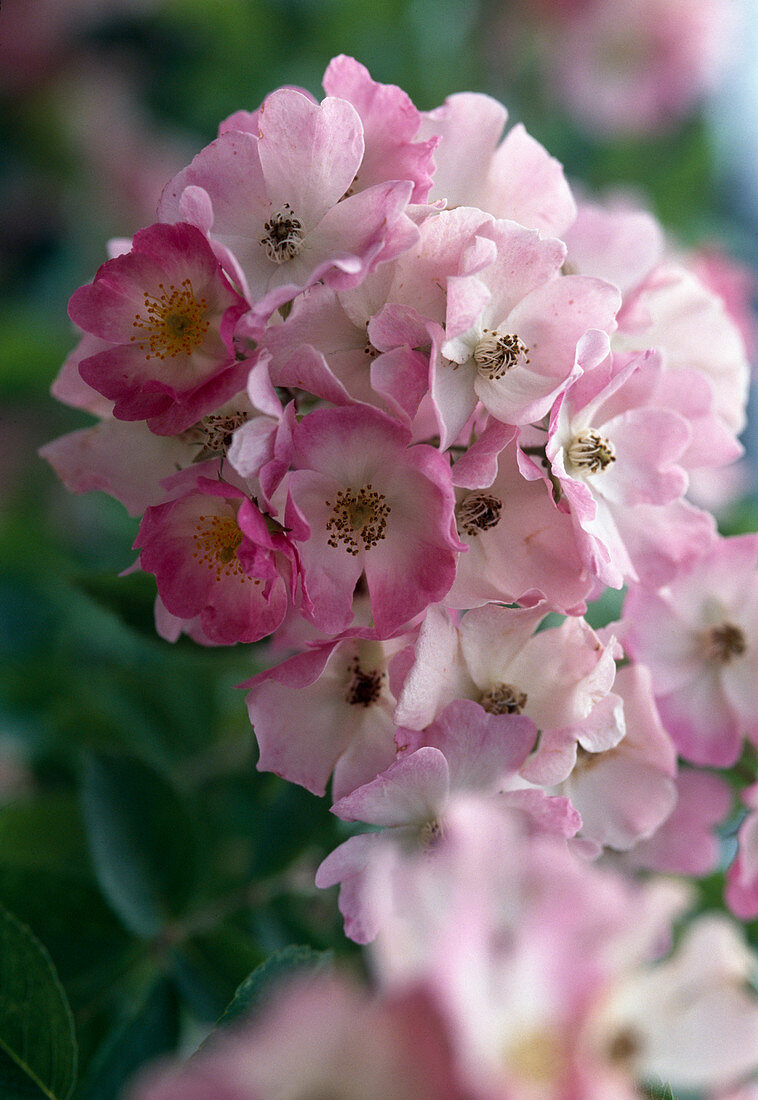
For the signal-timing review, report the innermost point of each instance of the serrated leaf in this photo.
(36, 1026)
(259, 984)
(141, 841)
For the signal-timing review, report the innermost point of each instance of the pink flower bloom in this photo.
(124, 459)
(496, 659)
(547, 969)
(516, 179)
(271, 202)
(513, 327)
(674, 312)
(168, 313)
(390, 123)
(690, 1019)
(638, 65)
(612, 452)
(664, 304)
(466, 749)
(214, 556)
(521, 549)
(616, 242)
(327, 710)
(699, 637)
(318, 1036)
(625, 792)
(686, 843)
(342, 349)
(362, 501)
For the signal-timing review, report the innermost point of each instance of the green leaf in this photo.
(44, 832)
(606, 609)
(130, 598)
(68, 913)
(36, 1026)
(14, 1083)
(150, 1028)
(141, 840)
(294, 820)
(208, 967)
(258, 985)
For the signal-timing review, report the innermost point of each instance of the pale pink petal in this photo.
(412, 791)
(309, 153)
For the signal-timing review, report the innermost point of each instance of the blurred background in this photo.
(101, 101)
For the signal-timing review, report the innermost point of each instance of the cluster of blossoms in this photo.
(385, 396)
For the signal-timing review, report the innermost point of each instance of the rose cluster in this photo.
(386, 396)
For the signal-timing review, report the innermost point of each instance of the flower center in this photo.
(478, 512)
(215, 432)
(368, 348)
(283, 238)
(216, 540)
(358, 516)
(365, 686)
(497, 352)
(591, 452)
(173, 322)
(724, 642)
(503, 699)
(537, 1058)
(430, 834)
(624, 1046)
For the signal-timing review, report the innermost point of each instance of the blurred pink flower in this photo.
(698, 636)
(319, 1037)
(635, 66)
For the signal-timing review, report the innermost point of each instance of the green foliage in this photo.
(147, 1028)
(141, 841)
(282, 965)
(208, 966)
(36, 1026)
(44, 833)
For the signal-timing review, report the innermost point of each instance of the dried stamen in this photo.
(497, 352)
(215, 433)
(174, 322)
(216, 540)
(724, 642)
(503, 699)
(478, 512)
(358, 516)
(284, 235)
(591, 452)
(365, 686)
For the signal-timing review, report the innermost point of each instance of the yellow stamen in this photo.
(174, 322)
(216, 540)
